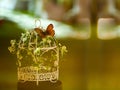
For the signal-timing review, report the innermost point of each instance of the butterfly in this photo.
(48, 32)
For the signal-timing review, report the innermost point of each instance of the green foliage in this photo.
(31, 50)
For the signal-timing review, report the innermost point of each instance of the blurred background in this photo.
(89, 28)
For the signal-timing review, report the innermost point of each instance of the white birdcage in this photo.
(37, 58)
(43, 55)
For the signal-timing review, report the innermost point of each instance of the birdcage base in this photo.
(43, 85)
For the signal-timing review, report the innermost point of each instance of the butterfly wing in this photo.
(50, 31)
(40, 32)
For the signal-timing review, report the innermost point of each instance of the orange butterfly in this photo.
(49, 31)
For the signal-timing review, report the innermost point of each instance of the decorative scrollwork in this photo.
(34, 74)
